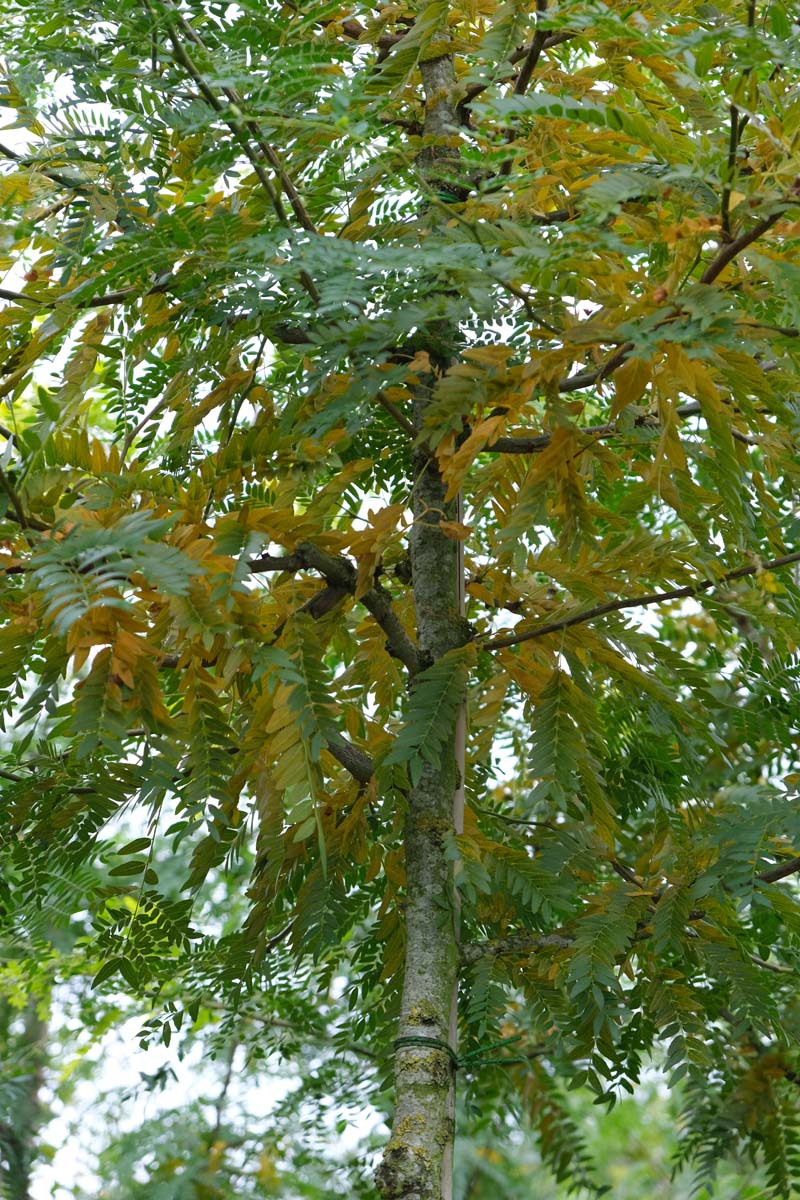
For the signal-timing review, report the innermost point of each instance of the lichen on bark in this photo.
(418, 1157)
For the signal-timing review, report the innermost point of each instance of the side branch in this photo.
(773, 874)
(340, 575)
(730, 250)
(601, 610)
(540, 441)
(182, 56)
(726, 254)
(99, 301)
(519, 944)
(531, 59)
(356, 761)
(282, 332)
(243, 130)
(268, 151)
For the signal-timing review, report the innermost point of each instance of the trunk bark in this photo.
(418, 1156)
(417, 1162)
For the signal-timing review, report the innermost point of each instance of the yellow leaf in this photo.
(356, 228)
(375, 864)
(490, 356)
(14, 187)
(630, 380)
(369, 545)
(455, 530)
(192, 415)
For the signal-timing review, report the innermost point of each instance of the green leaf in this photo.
(128, 868)
(134, 847)
(430, 715)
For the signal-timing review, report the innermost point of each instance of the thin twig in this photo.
(534, 53)
(219, 1104)
(540, 441)
(730, 169)
(490, 812)
(401, 419)
(601, 610)
(268, 151)
(16, 503)
(730, 250)
(770, 966)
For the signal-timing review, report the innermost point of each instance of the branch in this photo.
(586, 379)
(625, 872)
(341, 576)
(219, 1104)
(533, 55)
(184, 58)
(601, 610)
(356, 761)
(490, 812)
(81, 187)
(378, 603)
(19, 512)
(776, 968)
(730, 250)
(475, 89)
(730, 171)
(282, 332)
(268, 151)
(118, 297)
(540, 441)
(354, 30)
(773, 874)
(401, 419)
(519, 944)
(275, 562)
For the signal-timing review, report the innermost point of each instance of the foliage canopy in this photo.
(397, 401)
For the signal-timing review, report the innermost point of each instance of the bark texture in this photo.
(418, 1158)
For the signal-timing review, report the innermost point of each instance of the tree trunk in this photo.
(417, 1162)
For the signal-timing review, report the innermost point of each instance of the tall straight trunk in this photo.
(417, 1163)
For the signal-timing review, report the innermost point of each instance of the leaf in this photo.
(430, 715)
(415, 45)
(561, 760)
(128, 868)
(456, 530)
(106, 971)
(142, 843)
(630, 382)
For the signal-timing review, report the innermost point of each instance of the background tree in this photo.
(379, 385)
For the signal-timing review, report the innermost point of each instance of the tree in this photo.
(399, 401)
